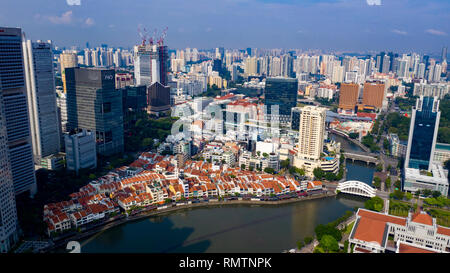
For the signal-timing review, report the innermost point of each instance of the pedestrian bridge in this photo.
(356, 188)
(369, 158)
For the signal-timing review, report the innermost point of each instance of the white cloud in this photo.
(436, 32)
(401, 32)
(73, 2)
(373, 2)
(89, 22)
(65, 18)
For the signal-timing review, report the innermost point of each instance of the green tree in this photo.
(300, 244)
(242, 166)
(284, 163)
(318, 173)
(377, 182)
(308, 240)
(436, 194)
(269, 170)
(408, 196)
(328, 229)
(329, 243)
(92, 176)
(374, 203)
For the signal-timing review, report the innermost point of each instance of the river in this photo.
(237, 228)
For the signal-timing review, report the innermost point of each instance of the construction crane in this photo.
(162, 37)
(143, 34)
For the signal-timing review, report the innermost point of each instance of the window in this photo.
(106, 107)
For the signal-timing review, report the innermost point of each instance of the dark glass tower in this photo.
(423, 133)
(94, 104)
(163, 65)
(282, 92)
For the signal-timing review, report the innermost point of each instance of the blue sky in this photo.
(341, 25)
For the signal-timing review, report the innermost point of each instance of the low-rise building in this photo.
(375, 232)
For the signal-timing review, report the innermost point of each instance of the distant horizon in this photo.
(353, 26)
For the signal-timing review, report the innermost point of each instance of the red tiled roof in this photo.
(422, 218)
(404, 248)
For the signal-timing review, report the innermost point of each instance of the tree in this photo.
(436, 194)
(329, 243)
(388, 182)
(318, 173)
(284, 163)
(409, 196)
(266, 155)
(242, 166)
(308, 240)
(300, 244)
(374, 203)
(269, 170)
(427, 192)
(92, 176)
(379, 167)
(353, 135)
(328, 229)
(377, 182)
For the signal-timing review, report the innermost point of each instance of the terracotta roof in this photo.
(422, 218)
(443, 230)
(404, 248)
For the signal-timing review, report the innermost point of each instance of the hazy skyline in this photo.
(329, 25)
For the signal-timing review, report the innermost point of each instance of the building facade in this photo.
(43, 111)
(80, 151)
(13, 88)
(281, 92)
(348, 96)
(94, 104)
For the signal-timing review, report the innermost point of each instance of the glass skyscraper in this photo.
(423, 133)
(282, 92)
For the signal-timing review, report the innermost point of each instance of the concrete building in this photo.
(44, 120)
(8, 213)
(348, 96)
(441, 152)
(158, 99)
(375, 232)
(398, 147)
(374, 95)
(94, 104)
(67, 59)
(13, 89)
(80, 151)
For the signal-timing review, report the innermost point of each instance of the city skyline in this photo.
(373, 25)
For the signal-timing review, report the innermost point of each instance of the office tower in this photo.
(163, 62)
(95, 57)
(386, 64)
(295, 118)
(94, 104)
(373, 94)
(67, 59)
(80, 150)
(12, 82)
(158, 99)
(134, 101)
(217, 65)
(287, 66)
(421, 71)
(42, 109)
(123, 79)
(147, 64)
(87, 57)
(423, 131)
(426, 61)
(8, 213)
(444, 54)
(348, 96)
(437, 73)
(281, 92)
(249, 51)
(311, 132)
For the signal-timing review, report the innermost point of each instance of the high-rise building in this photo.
(421, 171)
(94, 104)
(13, 89)
(8, 213)
(374, 94)
(163, 60)
(423, 133)
(311, 132)
(80, 151)
(348, 96)
(281, 92)
(67, 59)
(147, 64)
(158, 98)
(295, 118)
(444, 54)
(45, 131)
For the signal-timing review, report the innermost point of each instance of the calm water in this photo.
(223, 229)
(237, 228)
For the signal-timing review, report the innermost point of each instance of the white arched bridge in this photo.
(356, 188)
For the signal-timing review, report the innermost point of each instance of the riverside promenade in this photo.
(103, 226)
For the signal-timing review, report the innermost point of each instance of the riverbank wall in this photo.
(105, 226)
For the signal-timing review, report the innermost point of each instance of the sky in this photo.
(330, 25)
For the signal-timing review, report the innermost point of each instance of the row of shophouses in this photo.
(154, 180)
